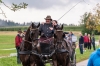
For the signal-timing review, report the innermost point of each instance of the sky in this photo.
(37, 10)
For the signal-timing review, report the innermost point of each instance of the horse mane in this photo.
(28, 31)
(27, 34)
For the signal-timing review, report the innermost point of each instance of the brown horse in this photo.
(63, 48)
(28, 45)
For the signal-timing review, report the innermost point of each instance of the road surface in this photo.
(83, 63)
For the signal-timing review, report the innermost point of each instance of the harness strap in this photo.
(31, 42)
(46, 39)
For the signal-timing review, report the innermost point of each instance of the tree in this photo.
(97, 17)
(83, 23)
(14, 7)
(93, 23)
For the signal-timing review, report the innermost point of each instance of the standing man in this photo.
(86, 39)
(18, 40)
(81, 41)
(93, 41)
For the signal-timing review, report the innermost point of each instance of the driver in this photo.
(46, 30)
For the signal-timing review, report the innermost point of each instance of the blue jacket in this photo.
(94, 59)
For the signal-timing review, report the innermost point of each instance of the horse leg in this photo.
(54, 62)
(24, 64)
(68, 63)
(32, 64)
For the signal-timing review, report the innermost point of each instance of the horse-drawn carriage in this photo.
(57, 52)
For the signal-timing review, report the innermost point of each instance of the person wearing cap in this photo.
(18, 40)
(46, 30)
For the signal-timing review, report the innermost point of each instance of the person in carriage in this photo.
(46, 30)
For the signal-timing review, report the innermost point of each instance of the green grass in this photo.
(7, 41)
(12, 60)
(6, 52)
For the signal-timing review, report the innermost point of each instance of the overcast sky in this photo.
(38, 9)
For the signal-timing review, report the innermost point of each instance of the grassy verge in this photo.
(7, 41)
(12, 60)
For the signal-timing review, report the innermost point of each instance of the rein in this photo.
(46, 39)
(30, 41)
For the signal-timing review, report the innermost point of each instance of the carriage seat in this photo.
(45, 48)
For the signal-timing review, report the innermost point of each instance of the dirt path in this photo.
(83, 63)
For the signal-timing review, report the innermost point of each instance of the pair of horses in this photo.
(30, 51)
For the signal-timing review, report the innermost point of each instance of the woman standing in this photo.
(93, 42)
(81, 41)
(89, 42)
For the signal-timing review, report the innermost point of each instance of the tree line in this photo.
(9, 23)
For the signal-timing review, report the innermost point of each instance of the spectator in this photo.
(81, 41)
(93, 41)
(89, 42)
(99, 42)
(85, 41)
(94, 59)
(23, 35)
(18, 40)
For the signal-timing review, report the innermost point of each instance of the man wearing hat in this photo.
(46, 30)
(18, 40)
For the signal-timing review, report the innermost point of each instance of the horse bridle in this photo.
(32, 42)
(58, 41)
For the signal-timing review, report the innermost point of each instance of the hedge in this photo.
(71, 28)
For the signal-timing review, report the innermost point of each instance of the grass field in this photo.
(7, 41)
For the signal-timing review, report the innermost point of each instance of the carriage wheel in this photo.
(74, 60)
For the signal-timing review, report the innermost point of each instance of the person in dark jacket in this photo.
(94, 59)
(46, 30)
(93, 42)
(81, 42)
(18, 40)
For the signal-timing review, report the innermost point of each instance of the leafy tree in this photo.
(83, 21)
(91, 22)
(14, 7)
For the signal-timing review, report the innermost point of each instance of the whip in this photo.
(70, 9)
